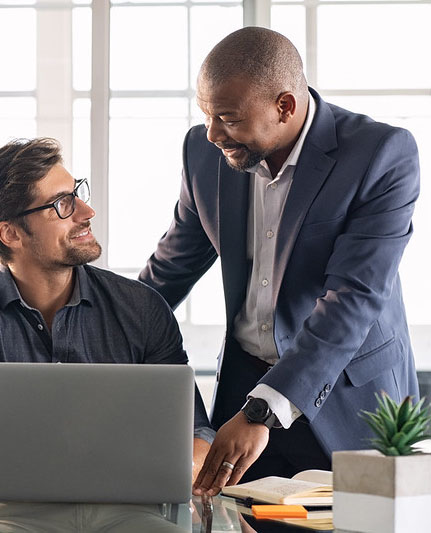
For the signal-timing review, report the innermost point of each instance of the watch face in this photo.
(257, 410)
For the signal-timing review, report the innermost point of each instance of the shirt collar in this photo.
(9, 291)
(294, 154)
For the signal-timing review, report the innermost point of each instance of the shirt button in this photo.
(40, 327)
(264, 327)
(265, 282)
(270, 234)
(274, 185)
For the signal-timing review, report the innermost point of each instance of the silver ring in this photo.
(228, 465)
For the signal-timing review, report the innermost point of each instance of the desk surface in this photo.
(213, 516)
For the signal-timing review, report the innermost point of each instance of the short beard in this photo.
(252, 159)
(81, 256)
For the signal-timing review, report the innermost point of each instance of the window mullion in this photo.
(54, 74)
(100, 124)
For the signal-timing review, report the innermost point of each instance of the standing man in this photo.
(53, 306)
(309, 207)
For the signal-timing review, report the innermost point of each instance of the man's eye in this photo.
(64, 201)
(231, 123)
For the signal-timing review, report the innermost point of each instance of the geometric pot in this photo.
(375, 493)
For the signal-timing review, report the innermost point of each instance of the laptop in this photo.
(96, 432)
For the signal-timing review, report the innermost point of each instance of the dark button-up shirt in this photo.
(109, 319)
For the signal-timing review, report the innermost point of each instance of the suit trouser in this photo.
(289, 450)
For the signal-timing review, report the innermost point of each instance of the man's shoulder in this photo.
(352, 123)
(116, 283)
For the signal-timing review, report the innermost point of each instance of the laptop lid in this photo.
(96, 432)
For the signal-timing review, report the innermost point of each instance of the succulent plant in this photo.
(398, 427)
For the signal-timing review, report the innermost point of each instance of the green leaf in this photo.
(392, 451)
(397, 438)
(417, 408)
(389, 406)
(409, 437)
(404, 411)
(390, 425)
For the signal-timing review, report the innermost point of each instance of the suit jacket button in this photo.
(322, 395)
(327, 387)
(318, 402)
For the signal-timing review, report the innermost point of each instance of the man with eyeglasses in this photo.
(54, 307)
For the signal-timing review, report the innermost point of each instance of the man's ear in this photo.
(9, 234)
(286, 104)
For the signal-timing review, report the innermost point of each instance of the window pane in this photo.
(207, 301)
(394, 54)
(413, 113)
(17, 118)
(208, 26)
(145, 2)
(81, 39)
(17, 2)
(149, 48)
(146, 137)
(290, 21)
(18, 46)
(81, 164)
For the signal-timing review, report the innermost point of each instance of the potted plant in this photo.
(387, 489)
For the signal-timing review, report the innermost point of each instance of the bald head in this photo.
(267, 59)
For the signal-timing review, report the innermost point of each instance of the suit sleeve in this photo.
(359, 277)
(184, 253)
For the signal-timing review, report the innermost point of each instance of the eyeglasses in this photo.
(65, 205)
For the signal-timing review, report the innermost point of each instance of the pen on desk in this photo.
(246, 502)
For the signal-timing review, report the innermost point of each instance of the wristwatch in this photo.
(257, 411)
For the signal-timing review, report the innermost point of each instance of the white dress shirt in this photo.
(254, 324)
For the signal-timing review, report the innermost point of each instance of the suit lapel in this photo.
(313, 167)
(233, 208)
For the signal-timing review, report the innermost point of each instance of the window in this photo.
(115, 81)
(388, 77)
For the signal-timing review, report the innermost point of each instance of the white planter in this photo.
(374, 493)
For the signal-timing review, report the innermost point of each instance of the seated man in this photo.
(53, 306)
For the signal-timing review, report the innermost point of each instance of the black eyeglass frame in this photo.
(73, 194)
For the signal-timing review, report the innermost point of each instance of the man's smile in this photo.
(84, 234)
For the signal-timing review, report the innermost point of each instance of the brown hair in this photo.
(23, 163)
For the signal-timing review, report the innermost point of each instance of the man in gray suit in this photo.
(309, 207)
(54, 307)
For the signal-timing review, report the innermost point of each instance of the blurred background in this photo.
(115, 83)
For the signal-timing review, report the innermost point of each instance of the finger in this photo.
(222, 477)
(209, 470)
(218, 473)
(211, 473)
(240, 468)
(222, 480)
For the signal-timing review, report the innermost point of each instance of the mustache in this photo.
(227, 146)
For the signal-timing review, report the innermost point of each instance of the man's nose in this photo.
(83, 210)
(215, 131)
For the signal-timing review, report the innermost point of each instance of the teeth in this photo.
(83, 234)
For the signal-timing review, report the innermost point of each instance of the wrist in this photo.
(257, 411)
